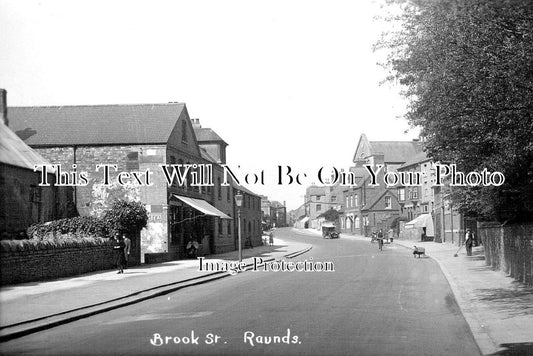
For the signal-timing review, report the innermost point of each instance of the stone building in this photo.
(136, 141)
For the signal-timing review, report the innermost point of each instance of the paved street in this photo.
(375, 303)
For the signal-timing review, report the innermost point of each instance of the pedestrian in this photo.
(271, 239)
(469, 242)
(380, 239)
(119, 247)
(127, 249)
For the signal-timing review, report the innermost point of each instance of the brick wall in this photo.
(39, 265)
(509, 249)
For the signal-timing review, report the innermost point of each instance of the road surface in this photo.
(373, 303)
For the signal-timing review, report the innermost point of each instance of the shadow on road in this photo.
(515, 349)
(516, 302)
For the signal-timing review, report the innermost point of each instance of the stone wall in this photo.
(509, 249)
(39, 265)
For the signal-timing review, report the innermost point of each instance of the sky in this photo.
(284, 83)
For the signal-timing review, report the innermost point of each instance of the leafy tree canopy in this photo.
(467, 69)
(330, 215)
(126, 216)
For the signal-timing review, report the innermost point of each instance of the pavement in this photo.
(498, 309)
(31, 307)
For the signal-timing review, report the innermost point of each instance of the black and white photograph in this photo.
(294, 177)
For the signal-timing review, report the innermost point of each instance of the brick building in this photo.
(136, 138)
(251, 215)
(370, 208)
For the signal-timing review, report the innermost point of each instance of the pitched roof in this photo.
(395, 151)
(416, 159)
(15, 152)
(378, 198)
(314, 190)
(207, 135)
(243, 189)
(95, 124)
(207, 156)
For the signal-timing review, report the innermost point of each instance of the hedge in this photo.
(61, 242)
(85, 225)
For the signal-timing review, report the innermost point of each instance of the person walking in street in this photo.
(127, 249)
(469, 242)
(380, 240)
(271, 238)
(119, 247)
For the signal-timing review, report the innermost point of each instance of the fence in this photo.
(509, 249)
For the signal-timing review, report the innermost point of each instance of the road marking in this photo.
(165, 316)
(399, 299)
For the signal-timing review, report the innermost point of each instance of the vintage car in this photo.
(329, 231)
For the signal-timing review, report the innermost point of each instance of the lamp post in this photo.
(238, 202)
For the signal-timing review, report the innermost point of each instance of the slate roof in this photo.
(207, 135)
(14, 152)
(377, 199)
(206, 155)
(314, 190)
(395, 151)
(95, 124)
(418, 158)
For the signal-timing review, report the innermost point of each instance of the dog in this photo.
(419, 251)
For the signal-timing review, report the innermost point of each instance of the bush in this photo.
(124, 216)
(86, 226)
(61, 241)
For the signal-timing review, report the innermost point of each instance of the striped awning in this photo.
(202, 206)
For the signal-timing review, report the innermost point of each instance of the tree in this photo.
(330, 215)
(467, 69)
(126, 216)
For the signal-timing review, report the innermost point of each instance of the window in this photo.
(318, 198)
(357, 222)
(229, 226)
(347, 202)
(356, 200)
(414, 193)
(333, 198)
(220, 233)
(401, 194)
(184, 131)
(228, 193)
(351, 200)
(219, 188)
(318, 207)
(132, 161)
(388, 202)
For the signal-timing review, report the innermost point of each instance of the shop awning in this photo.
(202, 206)
(424, 220)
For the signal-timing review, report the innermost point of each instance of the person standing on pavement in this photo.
(119, 247)
(469, 242)
(127, 249)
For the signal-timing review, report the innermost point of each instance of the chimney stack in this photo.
(196, 123)
(3, 106)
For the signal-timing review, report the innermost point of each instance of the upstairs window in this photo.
(184, 137)
(388, 202)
